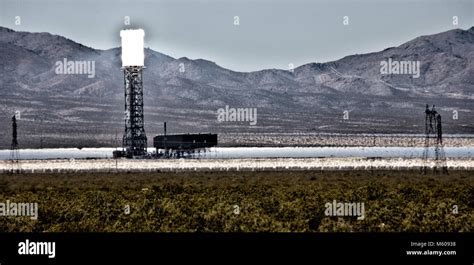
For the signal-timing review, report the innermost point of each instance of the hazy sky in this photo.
(271, 34)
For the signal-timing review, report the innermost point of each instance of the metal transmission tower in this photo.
(134, 138)
(14, 153)
(434, 139)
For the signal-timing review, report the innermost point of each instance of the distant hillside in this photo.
(66, 110)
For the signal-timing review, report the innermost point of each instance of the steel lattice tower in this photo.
(434, 139)
(14, 153)
(134, 139)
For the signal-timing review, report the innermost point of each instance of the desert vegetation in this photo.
(240, 201)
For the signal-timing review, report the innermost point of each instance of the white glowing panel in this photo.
(132, 47)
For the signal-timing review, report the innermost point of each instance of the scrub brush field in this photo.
(294, 201)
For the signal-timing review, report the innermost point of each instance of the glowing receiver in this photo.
(132, 47)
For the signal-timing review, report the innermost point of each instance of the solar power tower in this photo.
(134, 138)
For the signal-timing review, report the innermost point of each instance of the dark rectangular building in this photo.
(185, 141)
